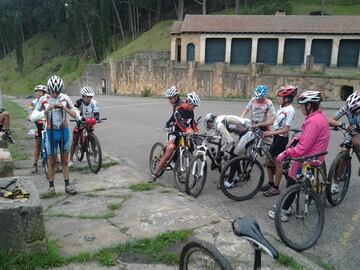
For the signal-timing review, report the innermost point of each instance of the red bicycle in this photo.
(88, 143)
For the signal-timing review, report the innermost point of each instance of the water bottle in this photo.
(299, 173)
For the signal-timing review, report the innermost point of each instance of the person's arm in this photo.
(95, 110)
(283, 130)
(266, 123)
(244, 113)
(179, 120)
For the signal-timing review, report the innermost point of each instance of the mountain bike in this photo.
(246, 173)
(196, 175)
(340, 169)
(178, 162)
(198, 254)
(300, 211)
(89, 143)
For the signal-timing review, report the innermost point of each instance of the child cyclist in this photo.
(313, 140)
(261, 108)
(352, 111)
(88, 108)
(281, 126)
(40, 90)
(172, 95)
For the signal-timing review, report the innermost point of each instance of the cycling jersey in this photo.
(87, 110)
(172, 118)
(184, 119)
(284, 117)
(226, 124)
(354, 119)
(260, 111)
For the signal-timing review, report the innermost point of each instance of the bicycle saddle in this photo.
(248, 228)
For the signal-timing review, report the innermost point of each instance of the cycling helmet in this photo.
(40, 87)
(55, 84)
(260, 91)
(287, 91)
(87, 91)
(353, 102)
(171, 92)
(209, 120)
(193, 99)
(309, 96)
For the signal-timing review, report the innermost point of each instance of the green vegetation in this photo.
(114, 206)
(142, 187)
(155, 249)
(19, 150)
(290, 262)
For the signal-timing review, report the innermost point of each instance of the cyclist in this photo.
(184, 122)
(281, 126)
(261, 108)
(173, 95)
(5, 125)
(352, 111)
(87, 106)
(314, 139)
(55, 106)
(40, 90)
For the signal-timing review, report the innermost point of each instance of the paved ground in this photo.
(135, 124)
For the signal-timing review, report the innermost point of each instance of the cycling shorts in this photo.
(60, 139)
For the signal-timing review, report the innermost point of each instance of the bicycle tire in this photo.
(93, 150)
(283, 227)
(79, 149)
(190, 186)
(345, 178)
(244, 178)
(211, 256)
(180, 177)
(46, 167)
(153, 160)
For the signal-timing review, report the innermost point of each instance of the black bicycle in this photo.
(198, 254)
(300, 211)
(340, 170)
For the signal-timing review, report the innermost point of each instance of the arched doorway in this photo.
(346, 91)
(190, 52)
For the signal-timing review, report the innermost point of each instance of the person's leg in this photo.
(69, 188)
(36, 151)
(5, 120)
(171, 147)
(52, 153)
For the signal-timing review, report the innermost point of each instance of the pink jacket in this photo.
(313, 140)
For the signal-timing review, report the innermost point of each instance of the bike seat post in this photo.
(257, 256)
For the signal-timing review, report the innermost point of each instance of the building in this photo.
(333, 41)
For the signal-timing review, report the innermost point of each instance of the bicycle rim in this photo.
(156, 153)
(181, 167)
(197, 255)
(79, 150)
(341, 178)
(93, 153)
(247, 177)
(196, 176)
(302, 228)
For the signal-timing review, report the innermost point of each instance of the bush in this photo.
(146, 92)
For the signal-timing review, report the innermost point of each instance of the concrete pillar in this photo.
(334, 52)
(308, 42)
(202, 49)
(280, 55)
(173, 49)
(228, 50)
(254, 49)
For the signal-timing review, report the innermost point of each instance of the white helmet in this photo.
(309, 96)
(209, 120)
(55, 84)
(40, 87)
(87, 91)
(353, 102)
(171, 92)
(193, 99)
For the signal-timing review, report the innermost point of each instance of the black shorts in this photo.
(278, 145)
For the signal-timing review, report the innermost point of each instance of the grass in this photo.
(142, 187)
(114, 206)
(290, 262)
(153, 248)
(20, 150)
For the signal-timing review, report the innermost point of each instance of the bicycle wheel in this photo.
(341, 178)
(46, 167)
(301, 226)
(156, 153)
(93, 153)
(79, 149)
(198, 255)
(196, 175)
(245, 176)
(181, 167)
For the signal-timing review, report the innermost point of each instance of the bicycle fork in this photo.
(193, 172)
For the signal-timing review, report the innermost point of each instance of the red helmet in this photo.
(287, 91)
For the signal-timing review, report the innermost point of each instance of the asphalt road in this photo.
(135, 123)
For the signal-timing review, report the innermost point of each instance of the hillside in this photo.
(41, 61)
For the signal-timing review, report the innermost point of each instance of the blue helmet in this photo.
(260, 91)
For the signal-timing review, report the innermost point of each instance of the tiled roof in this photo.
(292, 24)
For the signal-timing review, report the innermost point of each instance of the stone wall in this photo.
(218, 80)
